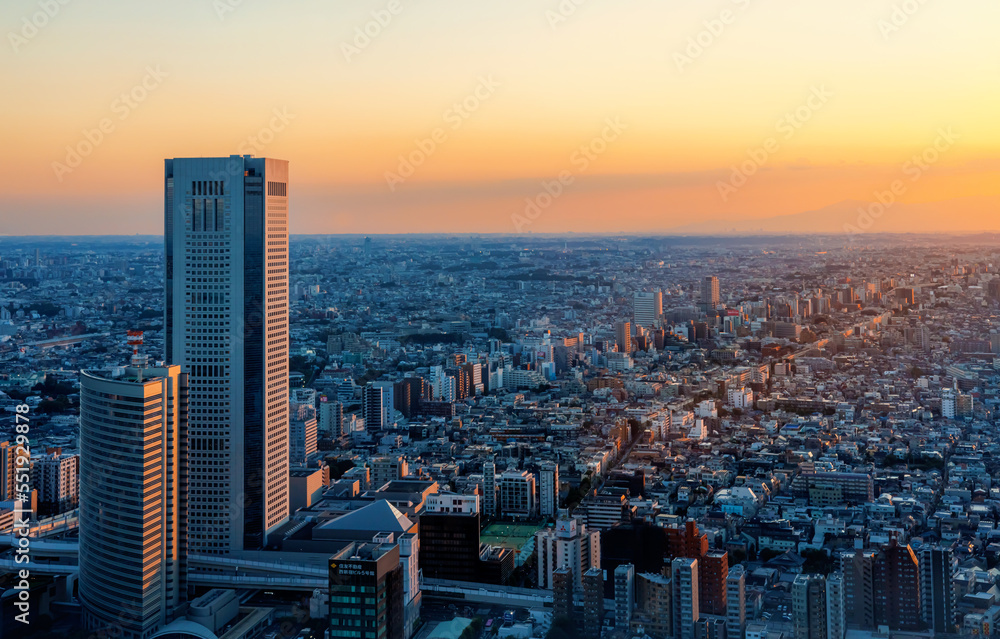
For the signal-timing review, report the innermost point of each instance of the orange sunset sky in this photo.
(723, 112)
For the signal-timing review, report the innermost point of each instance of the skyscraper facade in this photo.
(226, 321)
(548, 489)
(570, 545)
(937, 566)
(684, 574)
(373, 407)
(623, 336)
(56, 478)
(897, 588)
(836, 616)
(809, 606)
(624, 596)
(710, 295)
(366, 591)
(736, 602)
(133, 498)
(331, 419)
(647, 309)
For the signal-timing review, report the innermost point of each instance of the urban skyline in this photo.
(579, 321)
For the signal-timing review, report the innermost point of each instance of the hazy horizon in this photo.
(478, 117)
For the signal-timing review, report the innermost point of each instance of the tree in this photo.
(562, 628)
(817, 561)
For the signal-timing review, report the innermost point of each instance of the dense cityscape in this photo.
(229, 432)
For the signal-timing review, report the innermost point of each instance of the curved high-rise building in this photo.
(132, 498)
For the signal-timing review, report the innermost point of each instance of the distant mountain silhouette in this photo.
(959, 215)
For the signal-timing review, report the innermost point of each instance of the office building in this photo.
(647, 309)
(55, 477)
(809, 606)
(897, 588)
(373, 405)
(226, 325)
(517, 495)
(449, 537)
(623, 337)
(654, 604)
(736, 602)
(569, 545)
(548, 489)
(562, 593)
(710, 296)
(381, 523)
(303, 435)
(133, 500)
(489, 510)
(387, 469)
(684, 575)
(713, 570)
(331, 419)
(938, 605)
(949, 403)
(857, 568)
(836, 615)
(593, 603)
(624, 596)
(366, 591)
(407, 395)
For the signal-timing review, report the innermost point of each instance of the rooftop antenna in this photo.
(138, 361)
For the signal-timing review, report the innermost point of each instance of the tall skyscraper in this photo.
(548, 489)
(836, 615)
(624, 596)
(132, 498)
(570, 545)
(809, 606)
(713, 569)
(373, 407)
(736, 602)
(684, 574)
(937, 567)
(593, 603)
(226, 321)
(897, 588)
(710, 296)
(647, 309)
(489, 490)
(623, 336)
(859, 588)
